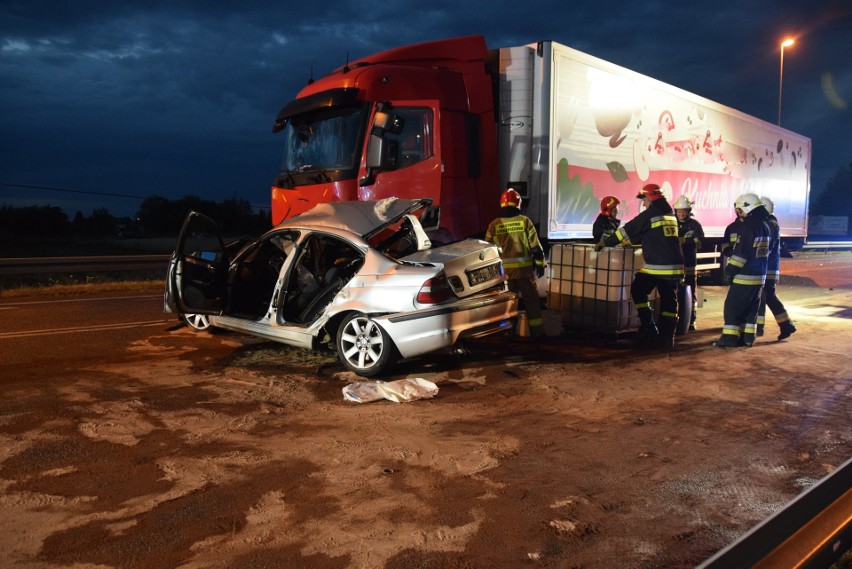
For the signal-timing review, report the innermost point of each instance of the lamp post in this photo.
(786, 43)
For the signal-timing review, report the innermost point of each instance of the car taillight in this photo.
(435, 290)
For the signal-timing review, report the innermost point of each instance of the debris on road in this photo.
(399, 391)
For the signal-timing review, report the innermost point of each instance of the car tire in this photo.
(363, 346)
(198, 322)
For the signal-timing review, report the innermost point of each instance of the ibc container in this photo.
(592, 289)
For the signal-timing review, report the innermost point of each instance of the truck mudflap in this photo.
(813, 530)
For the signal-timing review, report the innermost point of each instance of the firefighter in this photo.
(746, 271)
(606, 222)
(691, 234)
(522, 254)
(773, 272)
(728, 241)
(655, 229)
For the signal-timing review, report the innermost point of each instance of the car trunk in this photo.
(471, 265)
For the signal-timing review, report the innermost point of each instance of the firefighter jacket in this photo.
(604, 225)
(655, 229)
(517, 238)
(750, 257)
(730, 237)
(773, 266)
(691, 234)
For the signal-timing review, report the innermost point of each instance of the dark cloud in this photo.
(173, 98)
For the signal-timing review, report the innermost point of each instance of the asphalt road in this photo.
(42, 335)
(129, 441)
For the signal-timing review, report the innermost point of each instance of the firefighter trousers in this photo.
(741, 307)
(641, 288)
(528, 290)
(770, 298)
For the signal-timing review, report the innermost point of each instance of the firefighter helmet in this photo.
(510, 198)
(608, 204)
(682, 202)
(768, 204)
(747, 203)
(650, 191)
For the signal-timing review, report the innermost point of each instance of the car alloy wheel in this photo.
(363, 347)
(198, 322)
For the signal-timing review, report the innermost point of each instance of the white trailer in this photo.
(573, 128)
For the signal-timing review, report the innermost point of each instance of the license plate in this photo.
(483, 274)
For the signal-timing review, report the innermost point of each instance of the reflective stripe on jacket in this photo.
(520, 248)
(730, 238)
(691, 233)
(750, 257)
(655, 229)
(773, 266)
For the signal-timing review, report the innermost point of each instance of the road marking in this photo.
(99, 328)
(823, 351)
(138, 297)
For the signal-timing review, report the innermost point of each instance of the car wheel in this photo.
(363, 347)
(199, 322)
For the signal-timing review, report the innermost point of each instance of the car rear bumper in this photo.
(422, 331)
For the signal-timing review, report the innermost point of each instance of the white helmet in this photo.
(768, 204)
(683, 202)
(747, 203)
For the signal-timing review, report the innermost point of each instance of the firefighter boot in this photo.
(647, 335)
(747, 340)
(668, 327)
(727, 341)
(787, 329)
(759, 330)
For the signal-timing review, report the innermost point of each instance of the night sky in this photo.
(174, 98)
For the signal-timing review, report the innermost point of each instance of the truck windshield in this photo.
(325, 141)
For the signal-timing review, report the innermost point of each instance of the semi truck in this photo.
(456, 122)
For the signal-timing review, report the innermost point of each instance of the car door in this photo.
(198, 274)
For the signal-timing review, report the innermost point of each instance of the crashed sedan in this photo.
(360, 277)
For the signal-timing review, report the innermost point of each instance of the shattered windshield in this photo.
(325, 140)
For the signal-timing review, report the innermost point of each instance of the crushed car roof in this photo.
(360, 217)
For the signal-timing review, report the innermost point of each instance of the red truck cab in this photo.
(412, 122)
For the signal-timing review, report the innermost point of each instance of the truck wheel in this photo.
(363, 347)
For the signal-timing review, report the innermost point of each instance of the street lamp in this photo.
(786, 43)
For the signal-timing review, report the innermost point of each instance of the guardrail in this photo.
(110, 263)
(811, 531)
(43, 265)
(827, 245)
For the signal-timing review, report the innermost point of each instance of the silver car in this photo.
(359, 276)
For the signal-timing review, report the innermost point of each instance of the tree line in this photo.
(156, 217)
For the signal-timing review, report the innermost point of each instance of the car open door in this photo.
(198, 273)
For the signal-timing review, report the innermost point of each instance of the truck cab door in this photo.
(403, 157)
(198, 272)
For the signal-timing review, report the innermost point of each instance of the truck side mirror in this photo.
(382, 151)
(381, 155)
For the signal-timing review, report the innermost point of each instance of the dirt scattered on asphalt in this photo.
(216, 450)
